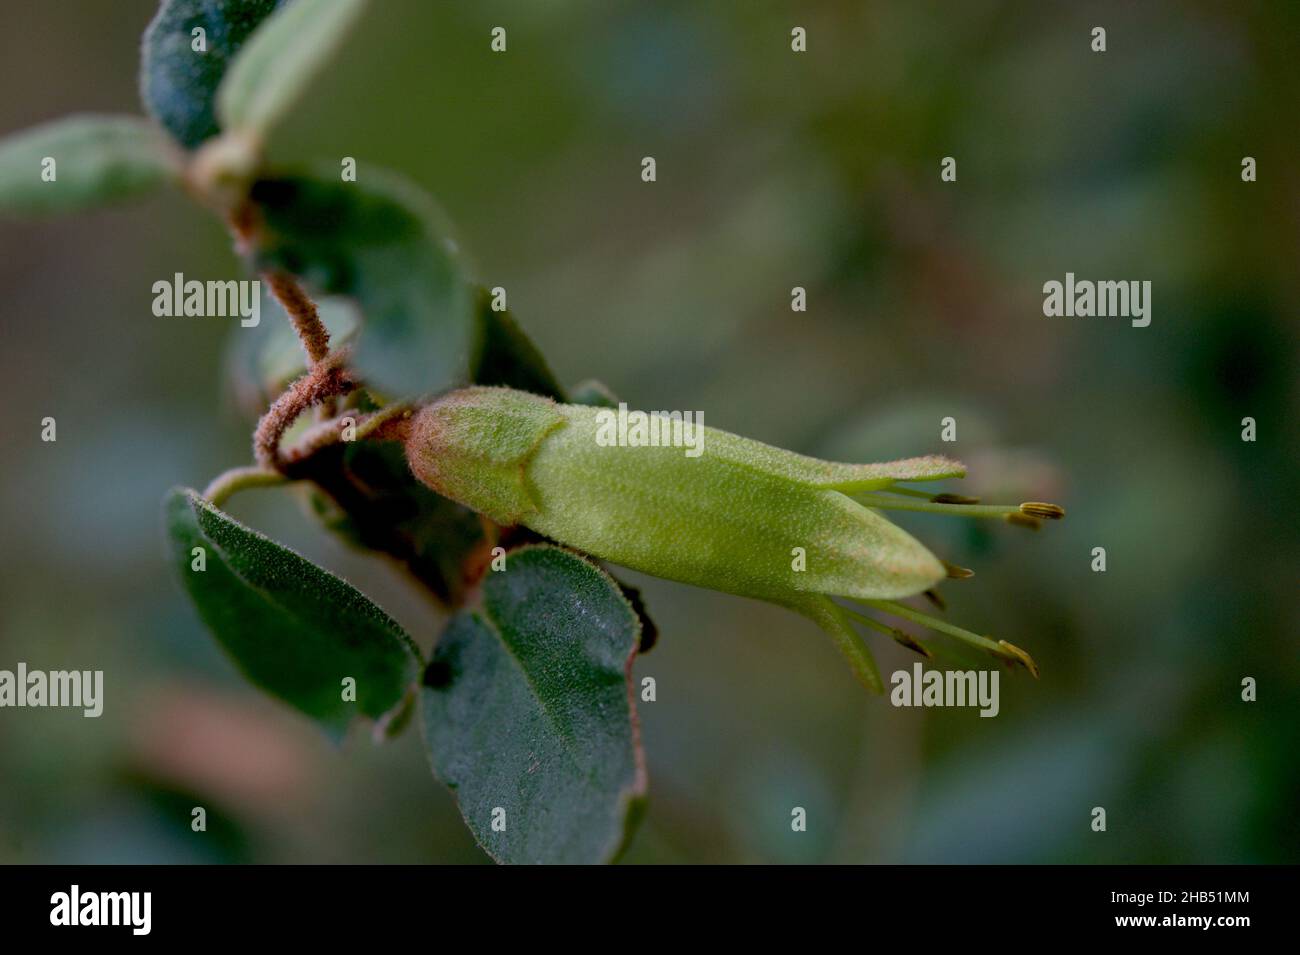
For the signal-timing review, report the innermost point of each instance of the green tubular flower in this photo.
(732, 514)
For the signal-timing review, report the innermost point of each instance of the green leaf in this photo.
(384, 243)
(294, 629)
(527, 708)
(97, 159)
(279, 62)
(506, 356)
(178, 83)
(369, 497)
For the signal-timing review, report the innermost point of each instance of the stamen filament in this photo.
(908, 491)
(934, 623)
(898, 636)
(929, 507)
(1031, 514)
(954, 499)
(927, 496)
(1008, 651)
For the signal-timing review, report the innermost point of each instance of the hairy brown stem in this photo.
(296, 303)
(327, 378)
(302, 313)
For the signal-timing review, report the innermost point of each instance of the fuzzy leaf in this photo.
(294, 629)
(178, 84)
(97, 159)
(383, 243)
(527, 708)
(278, 63)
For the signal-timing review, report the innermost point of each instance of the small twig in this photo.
(328, 378)
(237, 479)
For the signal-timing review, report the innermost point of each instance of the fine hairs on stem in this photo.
(327, 376)
(302, 313)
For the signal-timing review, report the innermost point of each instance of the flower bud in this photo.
(741, 517)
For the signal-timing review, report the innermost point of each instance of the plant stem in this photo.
(302, 313)
(239, 479)
(325, 433)
(296, 303)
(327, 378)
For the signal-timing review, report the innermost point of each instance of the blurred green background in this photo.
(774, 170)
